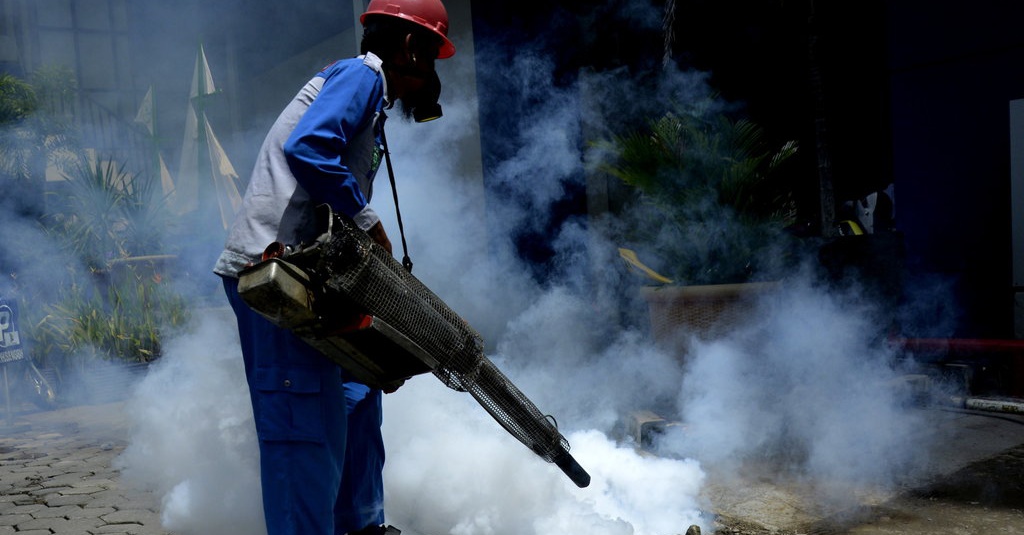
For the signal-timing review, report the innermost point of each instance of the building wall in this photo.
(953, 72)
(10, 50)
(90, 37)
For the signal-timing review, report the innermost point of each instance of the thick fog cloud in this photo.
(806, 380)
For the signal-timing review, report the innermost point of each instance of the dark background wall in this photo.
(952, 72)
(915, 94)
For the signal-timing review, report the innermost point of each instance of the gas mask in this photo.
(426, 107)
(423, 105)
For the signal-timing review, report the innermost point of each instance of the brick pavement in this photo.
(56, 474)
(57, 477)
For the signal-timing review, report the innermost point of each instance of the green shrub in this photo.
(124, 319)
(710, 201)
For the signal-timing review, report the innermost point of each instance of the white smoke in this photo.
(806, 383)
(194, 446)
(193, 442)
(806, 375)
(454, 470)
(451, 468)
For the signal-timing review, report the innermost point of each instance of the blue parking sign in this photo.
(10, 338)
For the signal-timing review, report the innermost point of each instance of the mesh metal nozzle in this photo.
(352, 269)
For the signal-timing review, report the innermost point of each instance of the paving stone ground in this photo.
(56, 475)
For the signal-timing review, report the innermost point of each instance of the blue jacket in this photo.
(325, 147)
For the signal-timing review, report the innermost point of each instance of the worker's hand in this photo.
(377, 233)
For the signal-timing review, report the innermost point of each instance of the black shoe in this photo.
(377, 530)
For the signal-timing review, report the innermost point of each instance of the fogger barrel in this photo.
(350, 299)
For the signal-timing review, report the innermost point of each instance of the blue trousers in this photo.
(321, 450)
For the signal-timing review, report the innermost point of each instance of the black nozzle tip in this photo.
(571, 468)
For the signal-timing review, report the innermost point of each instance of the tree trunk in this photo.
(826, 191)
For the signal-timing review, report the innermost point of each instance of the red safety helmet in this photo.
(430, 14)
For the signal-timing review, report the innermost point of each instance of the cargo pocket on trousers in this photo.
(290, 405)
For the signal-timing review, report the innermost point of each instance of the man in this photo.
(321, 451)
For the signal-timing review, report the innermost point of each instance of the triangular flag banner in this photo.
(147, 118)
(167, 183)
(145, 115)
(196, 178)
(225, 180)
(187, 190)
(202, 79)
(188, 172)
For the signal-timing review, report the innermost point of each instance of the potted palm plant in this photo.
(710, 200)
(112, 316)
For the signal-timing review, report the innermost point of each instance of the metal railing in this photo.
(102, 131)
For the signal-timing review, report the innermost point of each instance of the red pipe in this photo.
(956, 345)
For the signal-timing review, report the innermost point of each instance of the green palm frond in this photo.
(17, 99)
(697, 169)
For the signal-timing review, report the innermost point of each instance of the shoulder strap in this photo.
(406, 261)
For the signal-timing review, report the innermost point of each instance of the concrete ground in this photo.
(973, 484)
(56, 478)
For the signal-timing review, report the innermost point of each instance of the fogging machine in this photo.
(350, 299)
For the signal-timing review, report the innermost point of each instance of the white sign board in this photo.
(10, 337)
